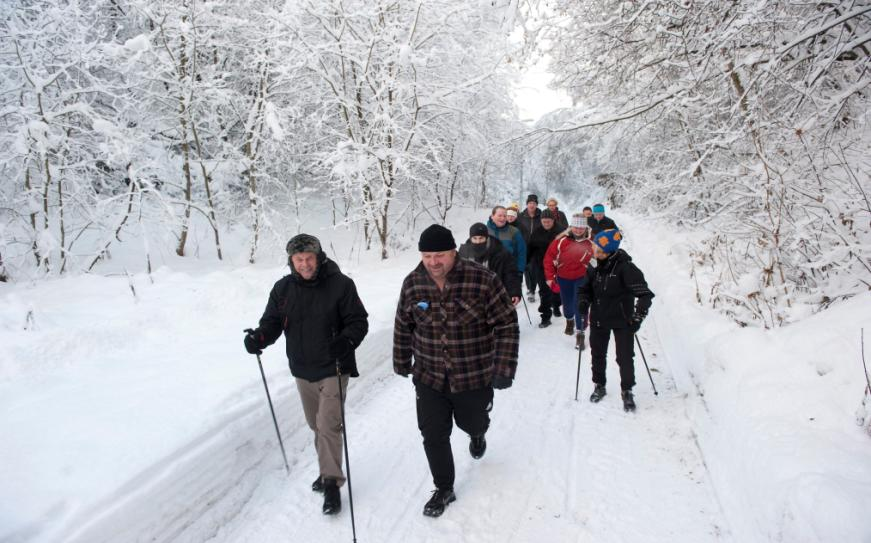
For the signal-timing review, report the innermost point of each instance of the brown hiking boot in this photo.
(570, 327)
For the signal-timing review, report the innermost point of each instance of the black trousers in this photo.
(623, 338)
(531, 275)
(548, 298)
(436, 412)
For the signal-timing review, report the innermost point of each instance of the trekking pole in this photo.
(578, 378)
(274, 421)
(527, 309)
(345, 441)
(655, 393)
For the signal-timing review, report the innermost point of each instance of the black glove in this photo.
(582, 311)
(340, 347)
(253, 341)
(501, 382)
(637, 319)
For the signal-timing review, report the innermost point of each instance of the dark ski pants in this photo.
(568, 289)
(548, 298)
(623, 338)
(436, 412)
(531, 274)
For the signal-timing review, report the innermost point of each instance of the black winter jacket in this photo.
(539, 242)
(497, 259)
(311, 313)
(607, 223)
(528, 226)
(610, 292)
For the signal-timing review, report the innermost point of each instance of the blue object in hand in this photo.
(423, 305)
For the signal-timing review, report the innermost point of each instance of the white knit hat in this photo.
(579, 221)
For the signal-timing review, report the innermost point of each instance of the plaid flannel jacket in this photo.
(461, 336)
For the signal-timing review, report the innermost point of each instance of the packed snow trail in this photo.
(555, 469)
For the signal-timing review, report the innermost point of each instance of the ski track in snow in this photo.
(582, 472)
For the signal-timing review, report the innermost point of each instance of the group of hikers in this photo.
(456, 331)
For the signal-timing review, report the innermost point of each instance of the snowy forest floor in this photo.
(142, 419)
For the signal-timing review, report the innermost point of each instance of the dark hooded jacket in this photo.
(528, 226)
(311, 313)
(496, 258)
(539, 241)
(596, 226)
(615, 289)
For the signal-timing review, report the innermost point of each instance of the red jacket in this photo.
(567, 257)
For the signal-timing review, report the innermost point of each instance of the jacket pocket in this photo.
(467, 313)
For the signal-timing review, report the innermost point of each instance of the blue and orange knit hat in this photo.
(608, 240)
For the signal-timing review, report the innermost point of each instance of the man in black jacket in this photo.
(529, 222)
(539, 241)
(618, 298)
(599, 221)
(488, 251)
(323, 321)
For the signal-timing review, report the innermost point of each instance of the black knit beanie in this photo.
(478, 229)
(436, 238)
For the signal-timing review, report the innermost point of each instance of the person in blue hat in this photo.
(599, 221)
(618, 299)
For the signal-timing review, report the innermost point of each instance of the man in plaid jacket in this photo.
(458, 323)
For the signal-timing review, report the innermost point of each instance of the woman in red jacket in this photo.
(565, 268)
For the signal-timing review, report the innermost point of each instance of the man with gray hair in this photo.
(324, 321)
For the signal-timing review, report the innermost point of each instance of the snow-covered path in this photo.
(140, 418)
(555, 469)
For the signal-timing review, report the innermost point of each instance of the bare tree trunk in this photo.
(483, 191)
(35, 245)
(185, 149)
(117, 235)
(253, 200)
(61, 226)
(45, 225)
(207, 181)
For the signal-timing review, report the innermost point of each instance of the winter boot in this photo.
(441, 497)
(332, 498)
(557, 312)
(628, 401)
(544, 323)
(570, 327)
(598, 393)
(318, 485)
(477, 446)
(579, 341)
(531, 297)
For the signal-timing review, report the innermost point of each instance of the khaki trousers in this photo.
(320, 403)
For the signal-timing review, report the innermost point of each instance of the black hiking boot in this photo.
(477, 446)
(570, 327)
(557, 312)
(544, 323)
(332, 498)
(598, 393)
(579, 341)
(628, 401)
(441, 497)
(318, 485)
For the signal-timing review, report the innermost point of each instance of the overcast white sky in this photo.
(532, 96)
